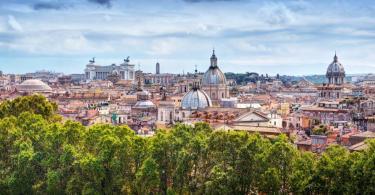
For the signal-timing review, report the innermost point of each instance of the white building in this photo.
(97, 72)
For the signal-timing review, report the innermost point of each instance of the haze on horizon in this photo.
(292, 37)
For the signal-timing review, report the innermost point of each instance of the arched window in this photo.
(161, 116)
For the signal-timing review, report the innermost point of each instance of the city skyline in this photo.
(287, 37)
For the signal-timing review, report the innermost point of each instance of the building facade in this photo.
(94, 71)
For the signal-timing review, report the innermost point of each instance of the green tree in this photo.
(36, 104)
(303, 171)
(39, 155)
(280, 159)
(332, 173)
(362, 170)
(147, 178)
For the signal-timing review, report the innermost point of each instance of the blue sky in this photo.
(294, 37)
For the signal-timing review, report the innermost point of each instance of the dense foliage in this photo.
(36, 104)
(38, 156)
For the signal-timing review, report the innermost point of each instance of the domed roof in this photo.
(335, 68)
(195, 99)
(34, 85)
(144, 104)
(213, 75)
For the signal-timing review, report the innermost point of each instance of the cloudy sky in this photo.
(296, 37)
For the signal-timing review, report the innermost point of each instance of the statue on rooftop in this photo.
(127, 59)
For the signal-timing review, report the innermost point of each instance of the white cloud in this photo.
(276, 14)
(266, 33)
(53, 43)
(14, 24)
(164, 47)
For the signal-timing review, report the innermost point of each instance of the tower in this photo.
(157, 68)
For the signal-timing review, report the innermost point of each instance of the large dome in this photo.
(144, 104)
(213, 75)
(34, 85)
(143, 100)
(335, 69)
(195, 99)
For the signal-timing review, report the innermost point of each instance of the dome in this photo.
(144, 104)
(213, 75)
(143, 100)
(34, 85)
(195, 99)
(335, 69)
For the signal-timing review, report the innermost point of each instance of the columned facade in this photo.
(98, 72)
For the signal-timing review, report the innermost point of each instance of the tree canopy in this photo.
(36, 104)
(38, 156)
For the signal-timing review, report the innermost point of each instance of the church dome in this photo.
(144, 104)
(214, 76)
(34, 85)
(143, 100)
(195, 99)
(335, 69)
